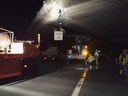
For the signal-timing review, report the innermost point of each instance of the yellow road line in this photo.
(84, 74)
(79, 85)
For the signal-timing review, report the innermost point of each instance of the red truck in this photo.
(15, 55)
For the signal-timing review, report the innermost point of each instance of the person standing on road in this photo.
(91, 61)
(96, 55)
(123, 61)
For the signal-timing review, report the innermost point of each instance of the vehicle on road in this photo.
(16, 56)
(51, 53)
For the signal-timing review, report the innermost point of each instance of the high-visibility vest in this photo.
(123, 59)
(90, 59)
(96, 54)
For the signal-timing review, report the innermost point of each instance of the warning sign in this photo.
(58, 35)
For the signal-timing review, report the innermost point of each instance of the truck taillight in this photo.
(25, 66)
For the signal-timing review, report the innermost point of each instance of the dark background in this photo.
(16, 15)
(109, 27)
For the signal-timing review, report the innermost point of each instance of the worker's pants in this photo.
(126, 71)
(92, 65)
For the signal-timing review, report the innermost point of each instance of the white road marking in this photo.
(79, 85)
(22, 91)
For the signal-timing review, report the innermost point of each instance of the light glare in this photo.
(17, 48)
(84, 52)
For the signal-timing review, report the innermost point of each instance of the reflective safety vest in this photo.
(123, 59)
(90, 59)
(96, 54)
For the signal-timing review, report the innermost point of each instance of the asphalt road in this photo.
(59, 79)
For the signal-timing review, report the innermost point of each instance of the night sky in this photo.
(17, 15)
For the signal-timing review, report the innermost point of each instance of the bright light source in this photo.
(86, 47)
(55, 10)
(17, 48)
(84, 53)
(25, 66)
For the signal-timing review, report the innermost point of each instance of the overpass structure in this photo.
(102, 19)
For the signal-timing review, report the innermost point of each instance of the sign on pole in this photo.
(58, 35)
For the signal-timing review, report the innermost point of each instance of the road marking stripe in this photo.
(84, 75)
(79, 85)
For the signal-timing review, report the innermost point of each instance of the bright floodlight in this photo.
(55, 9)
(84, 53)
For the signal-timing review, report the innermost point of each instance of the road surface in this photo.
(67, 80)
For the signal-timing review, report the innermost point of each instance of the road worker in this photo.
(91, 61)
(96, 55)
(123, 61)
